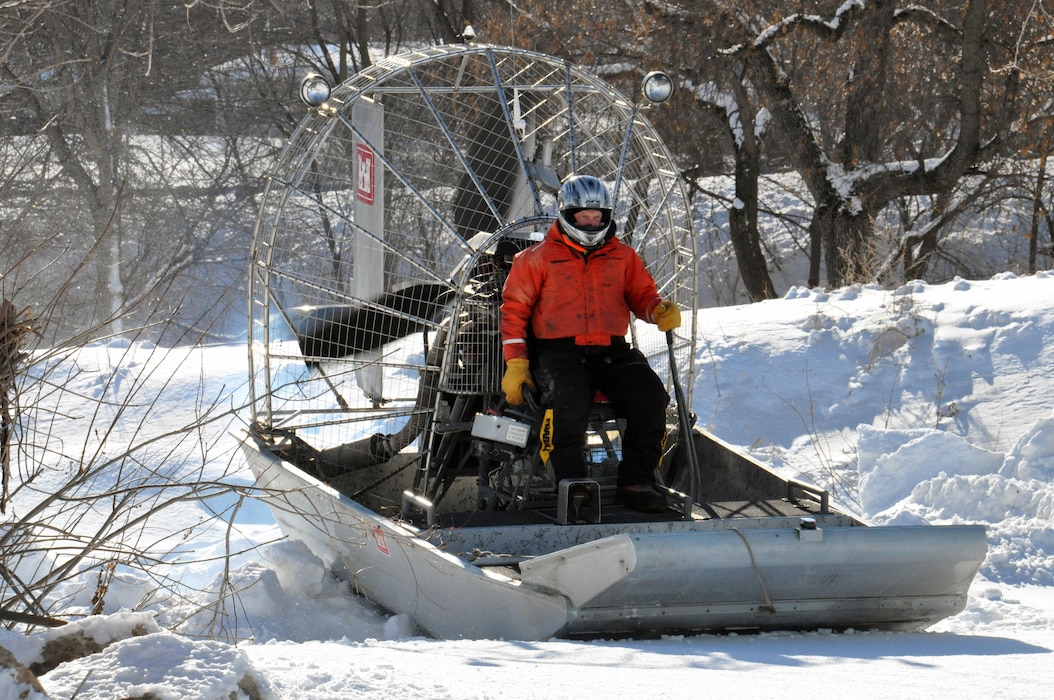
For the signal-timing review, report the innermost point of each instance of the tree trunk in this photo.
(743, 225)
(847, 245)
(1037, 211)
(915, 264)
(817, 233)
(866, 89)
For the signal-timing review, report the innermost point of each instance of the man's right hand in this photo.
(517, 374)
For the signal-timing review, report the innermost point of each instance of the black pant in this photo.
(569, 378)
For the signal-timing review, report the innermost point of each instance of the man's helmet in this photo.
(580, 192)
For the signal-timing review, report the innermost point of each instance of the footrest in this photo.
(417, 505)
(683, 500)
(578, 501)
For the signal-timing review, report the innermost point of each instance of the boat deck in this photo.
(737, 487)
(617, 514)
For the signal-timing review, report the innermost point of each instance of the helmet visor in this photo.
(600, 223)
(590, 232)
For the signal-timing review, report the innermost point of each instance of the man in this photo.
(568, 301)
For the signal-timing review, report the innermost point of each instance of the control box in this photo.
(500, 429)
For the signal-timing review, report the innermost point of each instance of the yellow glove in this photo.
(667, 316)
(517, 374)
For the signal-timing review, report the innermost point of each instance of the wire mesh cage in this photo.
(472, 364)
(377, 257)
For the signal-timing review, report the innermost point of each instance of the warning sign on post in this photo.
(364, 188)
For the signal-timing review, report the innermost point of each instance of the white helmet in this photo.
(580, 192)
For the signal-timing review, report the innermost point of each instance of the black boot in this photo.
(642, 497)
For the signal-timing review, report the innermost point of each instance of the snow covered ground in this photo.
(930, 403)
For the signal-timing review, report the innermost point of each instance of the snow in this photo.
(928, 403)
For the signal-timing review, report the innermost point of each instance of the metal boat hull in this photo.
(535, 581)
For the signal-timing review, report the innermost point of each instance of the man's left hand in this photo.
(667, 316)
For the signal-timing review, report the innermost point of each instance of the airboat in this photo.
(379, 435)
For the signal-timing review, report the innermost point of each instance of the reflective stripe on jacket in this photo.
(560, 292)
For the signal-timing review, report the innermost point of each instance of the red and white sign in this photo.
(364, 173)
(380, 540)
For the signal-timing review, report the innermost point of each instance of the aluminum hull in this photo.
(539, 580)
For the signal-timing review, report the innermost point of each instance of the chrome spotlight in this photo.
(314, 90)
(657, 87)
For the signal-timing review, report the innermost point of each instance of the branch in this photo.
(832, 28)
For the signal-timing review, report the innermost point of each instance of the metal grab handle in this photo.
(824, 497)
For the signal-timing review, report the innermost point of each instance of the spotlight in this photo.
(314, 90)
(657, 87)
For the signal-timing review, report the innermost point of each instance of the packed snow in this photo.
(925, 404)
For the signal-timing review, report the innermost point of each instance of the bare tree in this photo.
(870, 102)
(99, 502)
(89, 77)
(94, 469)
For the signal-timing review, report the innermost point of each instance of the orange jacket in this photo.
(558, 291)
